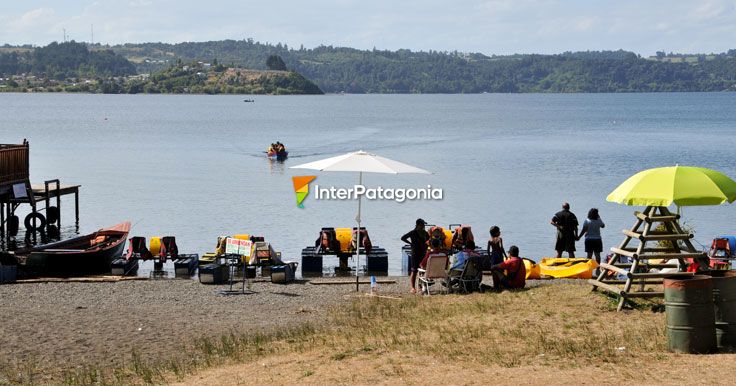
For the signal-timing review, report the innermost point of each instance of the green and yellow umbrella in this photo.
(681, 185)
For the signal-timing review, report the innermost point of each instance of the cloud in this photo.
(35, 18)
(487, 26)
(585, 23)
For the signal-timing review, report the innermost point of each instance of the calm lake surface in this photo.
(193, 166)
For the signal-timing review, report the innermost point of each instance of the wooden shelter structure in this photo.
(658, 247)
(16, 189)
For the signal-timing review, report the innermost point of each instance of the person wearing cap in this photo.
(510, 274)
(417, 239)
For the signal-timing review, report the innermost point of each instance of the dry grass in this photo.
(555, 332)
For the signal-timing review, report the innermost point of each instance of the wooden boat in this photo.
(84, 255)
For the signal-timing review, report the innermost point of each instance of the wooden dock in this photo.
(16, 190)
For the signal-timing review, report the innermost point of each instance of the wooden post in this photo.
(635, 263)
(2, 226)
(58, 205)
(7, 216)
(47, 199)
(76, 208)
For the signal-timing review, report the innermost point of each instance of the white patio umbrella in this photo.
(361, 162)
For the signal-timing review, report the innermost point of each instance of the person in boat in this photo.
(567, 231)
(280, 148)
(495, 249)
(417, 238)
(271, 149)
(592, 232)
(510, 274)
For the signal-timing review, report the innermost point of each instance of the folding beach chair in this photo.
(436, 271)
(469, 279)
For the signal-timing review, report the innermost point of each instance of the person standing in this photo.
(567, 231)
(417, 238)
(495, 248)
(592, 232)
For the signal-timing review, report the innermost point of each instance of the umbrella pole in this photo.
(357, 241)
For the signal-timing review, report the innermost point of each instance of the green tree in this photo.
(274, 62)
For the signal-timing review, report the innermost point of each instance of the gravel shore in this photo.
(66, 325)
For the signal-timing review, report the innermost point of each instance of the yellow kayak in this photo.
(567, 268)
(532, 269)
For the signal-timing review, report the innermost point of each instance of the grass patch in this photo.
(564, 324)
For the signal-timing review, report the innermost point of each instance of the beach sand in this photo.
(67, 325)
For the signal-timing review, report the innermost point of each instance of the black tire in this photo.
(13, 223)
(52, 214)
(40, 222)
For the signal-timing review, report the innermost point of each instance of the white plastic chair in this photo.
(436, 271)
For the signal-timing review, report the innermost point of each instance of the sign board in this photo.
(238, 247)
(19, 190)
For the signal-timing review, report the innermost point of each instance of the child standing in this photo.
(495, 247)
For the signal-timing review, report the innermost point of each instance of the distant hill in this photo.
(340, 69)
(73, 67)
(336, 69)
(206, 78)
(64, 60)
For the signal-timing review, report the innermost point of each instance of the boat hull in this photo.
(532, 270)
(278, 156)
(564, 268)
(90, 254)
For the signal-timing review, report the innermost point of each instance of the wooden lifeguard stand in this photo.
(634, 261)
(16, 189)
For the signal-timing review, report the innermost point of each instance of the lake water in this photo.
(193, 166)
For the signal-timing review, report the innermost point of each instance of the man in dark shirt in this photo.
(417, 238)
(567, 230)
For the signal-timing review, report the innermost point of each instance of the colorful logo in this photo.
(301, 188)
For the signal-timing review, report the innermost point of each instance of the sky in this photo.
(487, 26)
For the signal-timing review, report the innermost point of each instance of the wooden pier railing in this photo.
(13, 164)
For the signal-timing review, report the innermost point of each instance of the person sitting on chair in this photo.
(469, 251)
(510, 274)
(436, 247)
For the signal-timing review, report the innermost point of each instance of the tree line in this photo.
(341, 69)
(61, 61)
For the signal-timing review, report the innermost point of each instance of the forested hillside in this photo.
(64, 60)
(337, 69)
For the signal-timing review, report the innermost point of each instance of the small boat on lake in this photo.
(280, 156)
(277, 151)
(84, 255)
